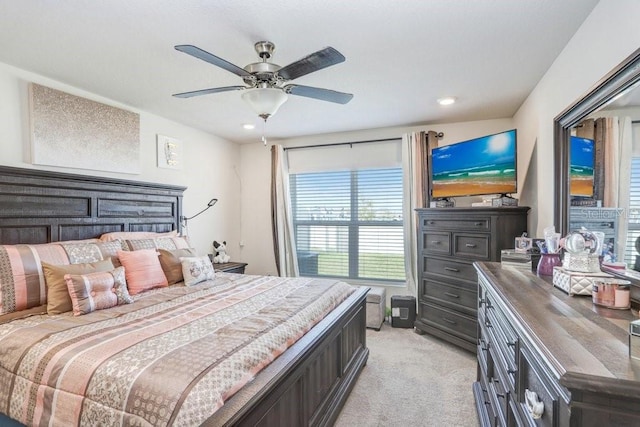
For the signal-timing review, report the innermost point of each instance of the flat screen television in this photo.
(581, 162)
(485, 165)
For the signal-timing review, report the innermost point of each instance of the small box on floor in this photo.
(403, 311)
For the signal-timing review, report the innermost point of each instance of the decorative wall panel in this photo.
(74, 132)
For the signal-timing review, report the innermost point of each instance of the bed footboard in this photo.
(309, 383)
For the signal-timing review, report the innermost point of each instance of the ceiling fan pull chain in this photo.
(264, 132)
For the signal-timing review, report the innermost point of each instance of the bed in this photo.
(302, 378)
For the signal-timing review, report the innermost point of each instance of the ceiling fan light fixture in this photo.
(265, 101)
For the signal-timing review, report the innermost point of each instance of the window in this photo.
(348, 224)
(633, 217)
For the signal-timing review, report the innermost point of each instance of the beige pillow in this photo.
(97, 291)
(58, 299)
(171, 265)
(196, 269)
(142, 269)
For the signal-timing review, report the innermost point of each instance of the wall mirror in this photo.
(599, 190)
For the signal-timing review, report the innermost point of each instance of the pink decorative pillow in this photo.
(97, 291)
(142, 270)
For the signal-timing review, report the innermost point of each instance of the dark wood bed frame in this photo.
(306, 385)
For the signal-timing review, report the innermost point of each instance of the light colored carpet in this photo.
(412, 380)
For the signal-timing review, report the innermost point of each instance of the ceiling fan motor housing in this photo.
(262, 71)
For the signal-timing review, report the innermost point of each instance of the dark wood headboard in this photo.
(40, 206)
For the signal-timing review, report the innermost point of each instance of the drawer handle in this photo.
(436, 242)
(471, 245)
(453, 322)
(479, 224)
(455, 270)
(488, 324)
(535, 407)
(431, 222)
(511, 371)
(449, 294)
(511, 344)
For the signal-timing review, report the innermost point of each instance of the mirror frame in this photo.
(621, 78)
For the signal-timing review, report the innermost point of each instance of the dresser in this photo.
(549, 359)
(449, 241)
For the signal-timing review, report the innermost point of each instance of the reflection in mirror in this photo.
(597, 163)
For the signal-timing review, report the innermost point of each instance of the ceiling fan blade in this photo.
(319, 93)
(212, 59)
(207, 91)
(316, 61)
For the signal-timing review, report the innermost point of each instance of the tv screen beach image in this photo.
(581, 170)
(485, 165)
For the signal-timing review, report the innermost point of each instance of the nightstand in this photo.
(230, 267)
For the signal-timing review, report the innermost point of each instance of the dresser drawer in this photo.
(450, 268)
(474, 246)
(452, 322)
(437, 243)
(456, 297)
(462, 223)
(534, 379)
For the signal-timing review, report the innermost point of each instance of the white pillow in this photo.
(196, 269)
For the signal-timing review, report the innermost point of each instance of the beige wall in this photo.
(210, 163)
(607, 37)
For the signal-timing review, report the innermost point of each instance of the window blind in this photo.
(633, 216)
(348, 224)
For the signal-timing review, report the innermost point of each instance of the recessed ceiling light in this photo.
(447, 100)
(248, 126)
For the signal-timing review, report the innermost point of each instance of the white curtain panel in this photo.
(281, 215)
(612, 162)
(413, 146)
(625, 152)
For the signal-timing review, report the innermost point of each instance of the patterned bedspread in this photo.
(171, 358)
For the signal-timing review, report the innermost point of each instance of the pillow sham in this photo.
(196, 269)
(168, 243)
(97, 291)
(142, 270)
(58, 299)
(171, 265)
(133, 235)
(22, 283)
(91, 252)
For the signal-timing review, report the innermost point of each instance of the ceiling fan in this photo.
(264, 81)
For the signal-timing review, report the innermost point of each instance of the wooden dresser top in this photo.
(585, 343)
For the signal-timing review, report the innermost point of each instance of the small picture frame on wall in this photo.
(169, 152)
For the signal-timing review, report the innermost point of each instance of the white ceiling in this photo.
(401, 56)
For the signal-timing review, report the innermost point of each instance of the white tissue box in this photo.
(575, 283)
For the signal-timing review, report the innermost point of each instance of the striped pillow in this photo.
(22, 283)
(97, 291)
(143, 270)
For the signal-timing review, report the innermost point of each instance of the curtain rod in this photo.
(438, 135)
